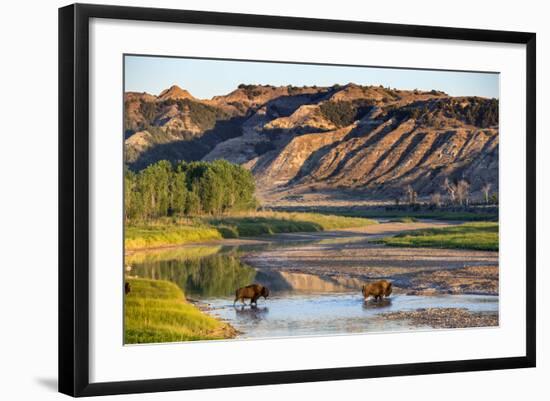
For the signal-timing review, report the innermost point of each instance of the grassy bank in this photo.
(161, 234)
(172, 232)
(377, 212)
(480, 236)
(404, 220)
(156, 311)
(268, 223)
(435, 215)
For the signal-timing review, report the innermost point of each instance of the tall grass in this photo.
(480, 236)
(197, 252)
(138, 237)
(156, 311)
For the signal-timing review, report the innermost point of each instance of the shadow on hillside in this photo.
(199, 146)
(191, 149)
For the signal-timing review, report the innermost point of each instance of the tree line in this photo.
(458, 193)
(187, 189)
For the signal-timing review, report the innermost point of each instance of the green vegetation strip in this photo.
(139, 237)
(165, 232)
(156, 311)
(404, 220)
(397, 214)
(480, 236)
(266, 223)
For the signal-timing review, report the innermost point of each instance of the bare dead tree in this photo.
(462, 192)
(450, 188)
(435, 199)
(486, 188)
(410, 194)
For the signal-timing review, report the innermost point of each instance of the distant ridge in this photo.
(368, 142)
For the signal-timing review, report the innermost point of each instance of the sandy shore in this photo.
(349, 257)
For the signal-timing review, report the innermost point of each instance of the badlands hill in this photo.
(358, 142)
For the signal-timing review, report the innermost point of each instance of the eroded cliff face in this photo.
(364, 141)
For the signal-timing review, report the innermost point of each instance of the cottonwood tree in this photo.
(193, 188)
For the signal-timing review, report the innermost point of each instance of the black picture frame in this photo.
(74, 198)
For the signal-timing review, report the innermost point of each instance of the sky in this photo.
(205, 78)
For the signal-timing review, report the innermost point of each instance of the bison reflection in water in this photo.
(373, 303)
(252, 314)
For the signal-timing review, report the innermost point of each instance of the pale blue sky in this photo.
(206, 78)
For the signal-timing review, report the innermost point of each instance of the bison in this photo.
(252, 292)
(378, 289)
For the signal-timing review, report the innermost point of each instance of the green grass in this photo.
(436, 215)
(480, 236)
(148, 256)
(404, 220)
(396, 214)
(265, 223)
(150, 236)
(156, 311)
(166, 231)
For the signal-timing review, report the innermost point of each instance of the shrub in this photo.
(339, 113)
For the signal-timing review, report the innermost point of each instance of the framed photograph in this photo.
(250, 199)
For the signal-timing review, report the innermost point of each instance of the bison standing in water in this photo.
(378, 289)
(252, 292)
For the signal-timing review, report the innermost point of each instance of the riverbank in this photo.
(156, 311)
(345, 258)
(385, 210)
(351, 257)
(171, 232)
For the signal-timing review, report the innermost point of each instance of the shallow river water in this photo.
(317, 314)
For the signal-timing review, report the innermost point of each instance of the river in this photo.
(315, 280)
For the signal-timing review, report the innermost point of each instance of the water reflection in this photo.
(215, 271)
(373, 304)
(286, 281)
(251, 314)
(198, 271)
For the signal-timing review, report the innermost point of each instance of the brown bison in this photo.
(252, 292)
(378, 289)
(127, 287)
